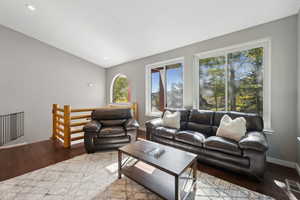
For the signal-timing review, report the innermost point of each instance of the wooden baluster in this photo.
(136, 111)
(54, 121)
(67, 128)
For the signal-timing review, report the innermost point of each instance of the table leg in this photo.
(119, 164)
(177, 189)
(195, 168)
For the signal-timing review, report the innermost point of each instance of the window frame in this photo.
(266, 44)
(148, 88)
(112, 87)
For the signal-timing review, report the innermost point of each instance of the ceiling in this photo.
(110, 32)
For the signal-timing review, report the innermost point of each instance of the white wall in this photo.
(298, 117)
(283, 34)
(34, 75)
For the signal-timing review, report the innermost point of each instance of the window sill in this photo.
(268, 131)
(153, 114)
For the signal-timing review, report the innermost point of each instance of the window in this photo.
(120, 91)
(234, 79)
(164, 86)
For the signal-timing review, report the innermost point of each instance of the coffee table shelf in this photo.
(158, 182)
(165, 177)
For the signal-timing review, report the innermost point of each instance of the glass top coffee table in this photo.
(171, 174)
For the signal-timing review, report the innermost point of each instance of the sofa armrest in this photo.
(153, 123)
(254, 141)
(92, 126)
(132, 123)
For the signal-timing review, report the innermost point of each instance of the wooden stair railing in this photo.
(67, 127)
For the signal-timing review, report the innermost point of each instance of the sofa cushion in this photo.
(254, 122)
(165, 132)
(190, 137)
(202, 128)
(204, 117)
(222, 144)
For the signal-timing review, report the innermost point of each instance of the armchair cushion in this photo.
(255, 141)
(92, 126)
(111, 131)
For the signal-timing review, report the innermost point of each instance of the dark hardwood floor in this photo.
(19, 160)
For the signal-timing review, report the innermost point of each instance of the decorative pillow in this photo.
(171, 120)
(232, 129)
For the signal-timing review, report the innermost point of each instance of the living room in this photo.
(147, 80)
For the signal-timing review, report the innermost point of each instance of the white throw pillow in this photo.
(171, 120)
(232, 129)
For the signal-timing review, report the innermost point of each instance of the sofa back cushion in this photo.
(254, 122)
(111, 114)
(200, 121)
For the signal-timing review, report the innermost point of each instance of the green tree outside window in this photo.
(121, 90)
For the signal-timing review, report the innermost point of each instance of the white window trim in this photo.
(266, 44)
(148, 82)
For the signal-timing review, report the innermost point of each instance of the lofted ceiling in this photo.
(110, 32)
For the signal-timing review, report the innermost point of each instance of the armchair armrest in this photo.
(153, 123)
(255, 141)
(92, 126)
(132, 123)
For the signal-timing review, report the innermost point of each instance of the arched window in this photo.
(120, 90)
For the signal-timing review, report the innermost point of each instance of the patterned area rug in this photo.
(94, 176)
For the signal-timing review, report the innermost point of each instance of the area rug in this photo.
(94, 177)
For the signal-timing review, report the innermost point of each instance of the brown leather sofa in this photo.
(109, 128)
(197, 134)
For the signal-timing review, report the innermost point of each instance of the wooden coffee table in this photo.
(173, 175)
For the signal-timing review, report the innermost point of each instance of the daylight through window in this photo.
(165, 81)
(232, 81)
(120, 89)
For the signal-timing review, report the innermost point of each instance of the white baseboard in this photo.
(282, 162)
(13, 145)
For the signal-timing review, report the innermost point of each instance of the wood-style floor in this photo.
(22, 159)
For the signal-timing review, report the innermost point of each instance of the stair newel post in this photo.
(54, 121)
(67, 128)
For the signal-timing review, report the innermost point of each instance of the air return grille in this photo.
(11, 127)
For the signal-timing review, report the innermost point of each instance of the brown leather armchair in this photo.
(109, 128)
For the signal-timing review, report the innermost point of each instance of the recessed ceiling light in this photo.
(105, 58)
(30, 7)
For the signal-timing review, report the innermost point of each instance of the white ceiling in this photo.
(110, 32)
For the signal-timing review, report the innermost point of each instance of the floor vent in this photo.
(11, 127)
